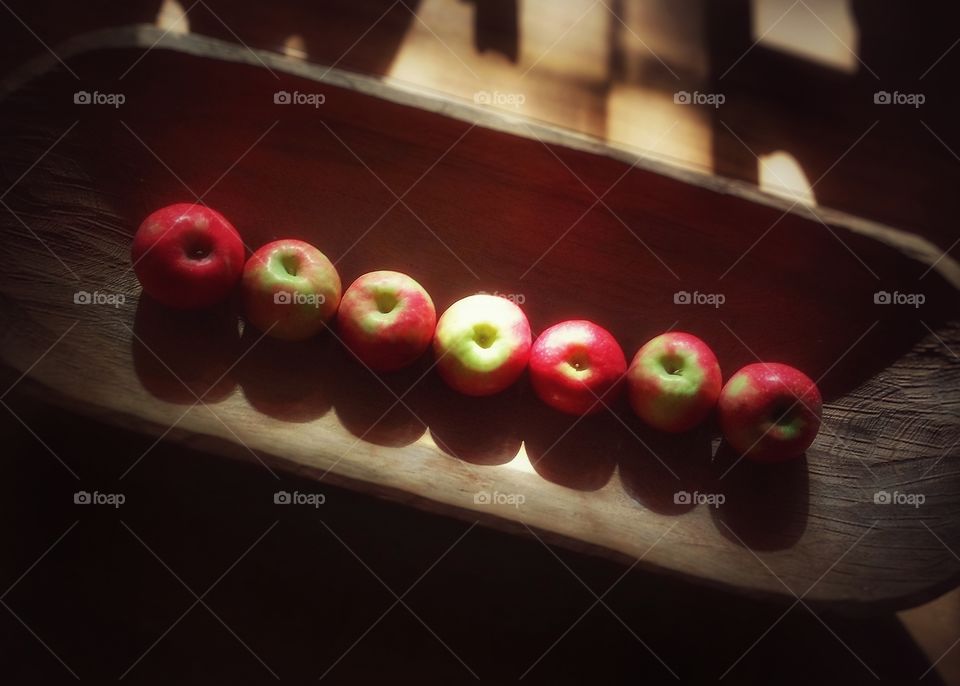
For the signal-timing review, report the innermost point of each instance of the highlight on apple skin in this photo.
(387, 319)
(577, 367)
(482, 344)
(187, 256)
(770, 412)
(674, 382)
(290, 289)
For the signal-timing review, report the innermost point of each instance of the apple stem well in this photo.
(290, 263)
(385, 301)
(782, 412)
(198, 247)
(672, 364)
(484, 335)
(580, 361)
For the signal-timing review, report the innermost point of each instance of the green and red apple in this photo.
(770, 412)
(482, 344)
(290, 289)
(577, 367)
(674, 382)
(386, 319)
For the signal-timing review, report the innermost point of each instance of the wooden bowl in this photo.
(464, 198)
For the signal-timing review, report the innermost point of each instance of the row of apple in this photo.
(189, 256)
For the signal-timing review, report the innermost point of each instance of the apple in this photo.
(482, 344)
(290, 289)
(674, 381)
(386, 319)
(577, 367)
(187, 256)
(770, 412)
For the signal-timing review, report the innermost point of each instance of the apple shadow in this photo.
(664, 467)
(765, 506)
(284, 380)
(180, 356)
(482, 431)
(579, 453)
(377, 408)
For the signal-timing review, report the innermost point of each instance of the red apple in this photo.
(770, 412)
(290, 289)
(482, 344)
(187, 256)
(674, 381)
(576, 367)
(387, 319)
